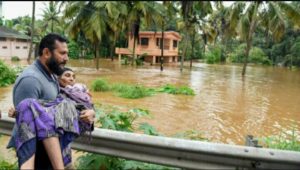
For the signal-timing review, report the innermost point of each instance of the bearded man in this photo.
(39, 81)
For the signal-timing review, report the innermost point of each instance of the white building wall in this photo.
(13, 48)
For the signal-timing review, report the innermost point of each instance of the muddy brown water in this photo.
(225, 109)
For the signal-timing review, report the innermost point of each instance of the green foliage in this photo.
(191, 134)
(174, 90)
(7, 166)
(138, 91)
(132, 91)
(112, 118)
(73, 50)
(100, 85)
(125, 61)
(238, 55)
(139, 62)
(89, 56)
(258, 56)
(215, 54)
(15, 58)
(285, 140)
(117, 120)
(7, 75)
(95, 161)
(295, 52)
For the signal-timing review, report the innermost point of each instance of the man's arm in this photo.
(28, 87)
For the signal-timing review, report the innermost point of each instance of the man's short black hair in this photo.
(49, 42)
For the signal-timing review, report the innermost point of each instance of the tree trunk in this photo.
(162, 49)
(249, 38)
(193, 44)
(112, 51)
(246, 56)
(52, 26)
(97, 55)
(32, 31)
(133, 52)
(184, 50)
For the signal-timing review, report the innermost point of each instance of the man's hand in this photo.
(87, 116)
(12, 112)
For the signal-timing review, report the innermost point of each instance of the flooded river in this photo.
(225, 108)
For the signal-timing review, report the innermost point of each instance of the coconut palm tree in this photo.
(94, 19)
(50, 15)
(138, 11)
(245, 18)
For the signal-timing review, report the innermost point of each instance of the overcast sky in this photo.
(14, 9)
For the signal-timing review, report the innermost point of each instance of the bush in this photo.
(238, 55)
(215, 54)
(7, 75)
(89, 56)
(100, 85)
(15, 58)
(125, 61)
(73, 50)
(257, 55)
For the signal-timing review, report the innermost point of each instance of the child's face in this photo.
(67, 78)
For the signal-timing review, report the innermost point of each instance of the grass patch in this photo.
(174, 90)
(100, 85)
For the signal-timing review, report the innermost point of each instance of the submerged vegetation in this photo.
(286, 140)
(176, 90)
(138, 91)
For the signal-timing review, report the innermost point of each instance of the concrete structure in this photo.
(149, 46)
(13, 43)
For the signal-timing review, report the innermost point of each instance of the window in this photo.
(157, 41)
(174, 43)
(24, 47)
(4, 47)
(144, 41)
(17, 47)
(2, 39)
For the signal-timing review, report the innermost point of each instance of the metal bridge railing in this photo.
(178, 152)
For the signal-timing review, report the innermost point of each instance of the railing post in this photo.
(252, 142)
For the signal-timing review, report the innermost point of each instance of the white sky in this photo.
(14, 9)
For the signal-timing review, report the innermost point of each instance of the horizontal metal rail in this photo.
(178, 152)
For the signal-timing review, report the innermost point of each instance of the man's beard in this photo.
(54, 65)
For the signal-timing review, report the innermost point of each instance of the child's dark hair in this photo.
(64, 70)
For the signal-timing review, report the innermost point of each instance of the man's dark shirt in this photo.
(35, 82)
